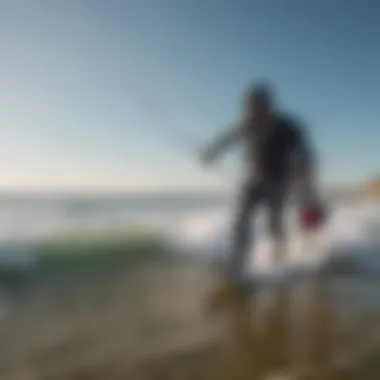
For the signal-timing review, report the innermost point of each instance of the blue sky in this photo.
(78, 77)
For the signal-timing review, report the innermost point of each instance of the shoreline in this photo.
(156, 323)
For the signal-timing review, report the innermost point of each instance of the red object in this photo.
(311, 217)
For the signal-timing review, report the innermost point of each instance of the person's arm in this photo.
(222, 143)
(308, 192)
(305, 163)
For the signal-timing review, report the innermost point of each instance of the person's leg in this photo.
(249, 199)
(276, 198)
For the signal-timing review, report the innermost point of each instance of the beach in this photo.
(125, 303)
(162, 322)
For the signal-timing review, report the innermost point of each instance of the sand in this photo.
(175, 320)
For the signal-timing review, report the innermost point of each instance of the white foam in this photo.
(353, 228)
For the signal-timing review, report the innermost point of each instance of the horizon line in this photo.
(40, 192)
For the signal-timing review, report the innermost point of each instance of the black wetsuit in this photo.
(275, 157)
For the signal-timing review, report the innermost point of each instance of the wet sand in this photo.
(165, 321)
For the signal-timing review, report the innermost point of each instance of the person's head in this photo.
(258, 102)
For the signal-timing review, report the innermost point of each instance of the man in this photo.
(278, 152)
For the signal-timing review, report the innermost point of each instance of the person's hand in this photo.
(313, 211)
(206, 157)
(312, 215)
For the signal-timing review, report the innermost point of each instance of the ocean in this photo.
(192, 224)
(26, 219)
(120, 325)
